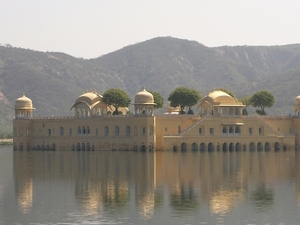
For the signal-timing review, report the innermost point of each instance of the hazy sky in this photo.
(90, 28)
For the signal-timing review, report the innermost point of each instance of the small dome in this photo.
(144, 97)
(297, 101)
(23, 103)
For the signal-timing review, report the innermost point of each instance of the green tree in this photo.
(117, 98)
(184, 97)
(158, 100)
(262, 99)
(246, 101)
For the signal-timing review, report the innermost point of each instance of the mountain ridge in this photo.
(54, 80)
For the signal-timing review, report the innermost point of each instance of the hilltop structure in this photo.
(220, 126)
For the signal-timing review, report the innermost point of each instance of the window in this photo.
(166, 129)
(211, 131)
(250, 130)
(143, 130)
(117, 131)
(96, 131)
(49, 132)
(237, 130)
(260, 131)
(291, 130)
(61, 131)
(106, 131)
(200, 131)
(179, 129)
(127, 130)
(70, 132)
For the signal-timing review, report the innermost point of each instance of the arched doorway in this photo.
(267, 147)
(259, 147)
(183, 146)
(225, 147)
(211, 147)
(194, 147)
(277, 146)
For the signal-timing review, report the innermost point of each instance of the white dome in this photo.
(23, 103)
(144, 97)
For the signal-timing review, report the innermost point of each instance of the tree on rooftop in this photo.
(246, 101)
(184, 97)
(262, 99)
(116, 98)
(158, 99)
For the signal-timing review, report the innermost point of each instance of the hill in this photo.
(54, 80)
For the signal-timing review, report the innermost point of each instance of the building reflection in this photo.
(144, 182)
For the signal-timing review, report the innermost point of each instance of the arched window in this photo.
(61, 131)
(79, 130)
(83, 131)
(231, 147)
(106, 131)
(225, 147)
(88, 130)
(117, 131)
(49, 132)
(127, 131)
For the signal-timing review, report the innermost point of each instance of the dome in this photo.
(297, 101)
(90, 98)
(144, 97)
(23, 103)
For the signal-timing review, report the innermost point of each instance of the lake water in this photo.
(68, 188)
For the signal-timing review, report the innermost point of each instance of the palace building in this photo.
(219, 126)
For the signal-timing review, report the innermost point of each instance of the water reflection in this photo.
(149, 185)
